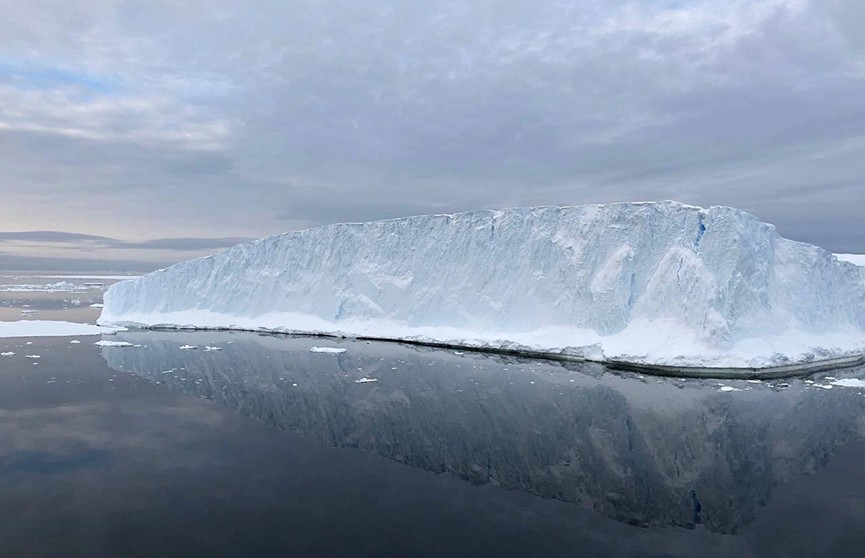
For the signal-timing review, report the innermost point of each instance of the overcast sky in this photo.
(155, 131)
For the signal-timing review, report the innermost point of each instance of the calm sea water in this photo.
(265, 448)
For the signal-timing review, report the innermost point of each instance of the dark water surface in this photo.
(264, 448)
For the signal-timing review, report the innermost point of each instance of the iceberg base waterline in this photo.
(649, 347)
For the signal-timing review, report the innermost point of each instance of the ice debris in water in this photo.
(188, 347)
(331, 350)
(105, 343)
(365, 380)
(849, 382)
(212, 348)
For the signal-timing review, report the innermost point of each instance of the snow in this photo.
(330, 350)
(44, 328)
(856, 259)
(661, 283)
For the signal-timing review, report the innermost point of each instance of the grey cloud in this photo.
(80, 241)
(183, 244)
(202, 120)
(10, 262)
(53, 236)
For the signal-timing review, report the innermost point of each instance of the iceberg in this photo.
(659, 283)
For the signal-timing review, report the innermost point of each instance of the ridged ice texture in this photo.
(719, 273)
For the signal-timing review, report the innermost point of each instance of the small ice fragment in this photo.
(188, 347)
(209, 348)
(365, 380)
(459, 353)
(75, 342)
(331, 350)
(97, 305)
(729, 388)
(10, 353)
(32, 356)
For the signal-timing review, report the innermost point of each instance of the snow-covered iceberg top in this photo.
(661, 283)
(858, 259)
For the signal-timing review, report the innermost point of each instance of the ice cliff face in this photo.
(653, 281)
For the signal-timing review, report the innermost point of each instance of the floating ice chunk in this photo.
(104, 343)
(330, 350)
(849, 382)
(365, 380)
(729, 388)
(10, 353)
(32, 356)
(97, 305)
(211, 348)
(188, 347)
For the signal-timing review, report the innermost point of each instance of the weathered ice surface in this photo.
(661, 283)
(643, 451)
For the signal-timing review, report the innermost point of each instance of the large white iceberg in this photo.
(660, 283)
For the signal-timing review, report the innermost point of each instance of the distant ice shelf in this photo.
(657, 283)
(47, 328)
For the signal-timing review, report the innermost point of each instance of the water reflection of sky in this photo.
(266, 448)
(642, 450)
